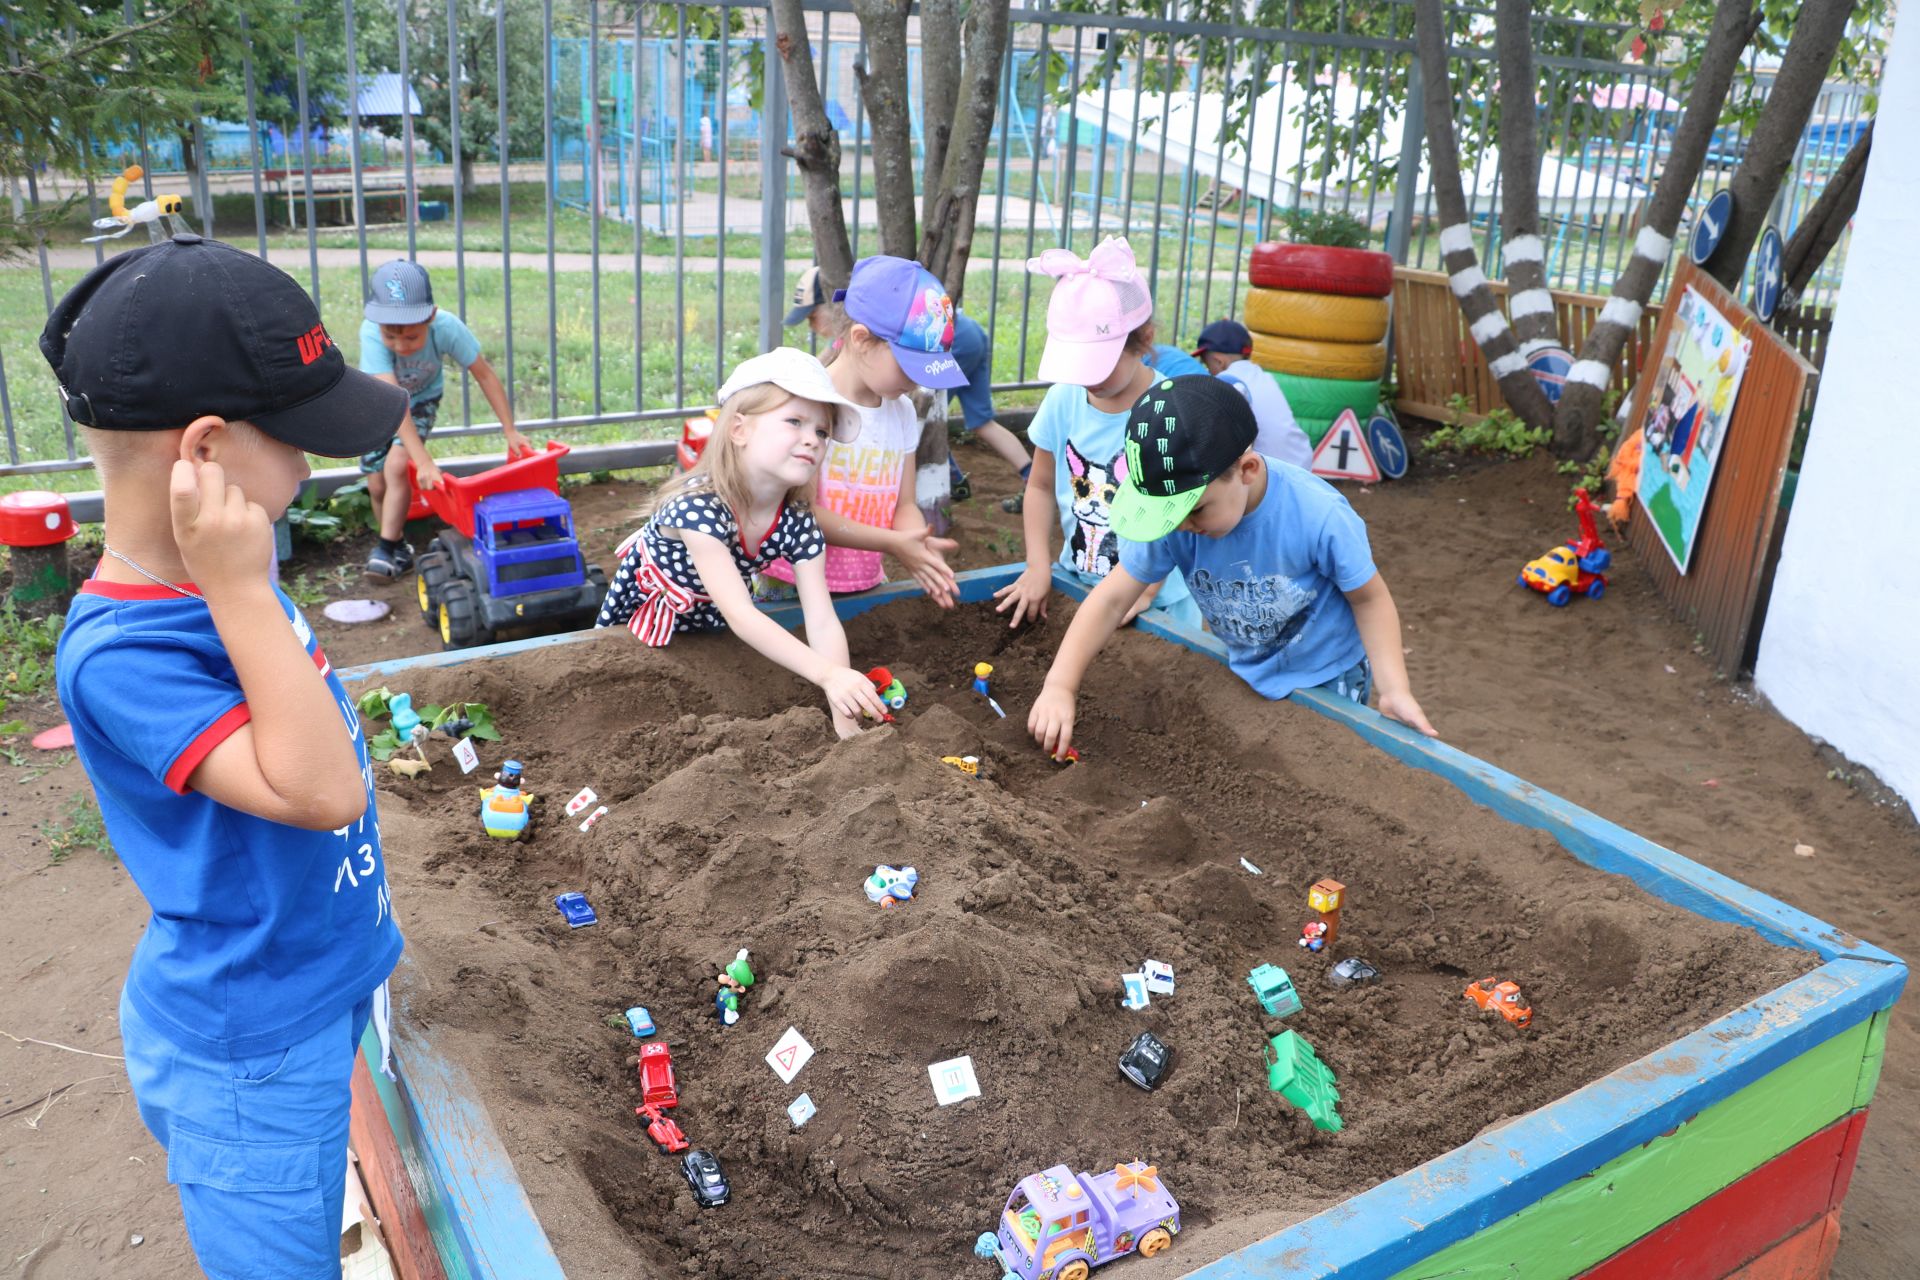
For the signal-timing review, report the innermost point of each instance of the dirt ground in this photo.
(1608, 705)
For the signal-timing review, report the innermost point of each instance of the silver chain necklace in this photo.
(151, 576)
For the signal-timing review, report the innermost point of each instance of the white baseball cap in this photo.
(795, 371)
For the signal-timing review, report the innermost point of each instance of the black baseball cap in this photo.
(1182, 434)
(151, 339)
(1228, 337)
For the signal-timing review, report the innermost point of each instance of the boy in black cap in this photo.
(1275, 558)
(229, 763)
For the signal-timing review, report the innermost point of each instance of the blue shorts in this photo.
(424, 415)
(257, 1145)
(975, 358)
(1354, 684)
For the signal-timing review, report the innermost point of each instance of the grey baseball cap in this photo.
(400, 294)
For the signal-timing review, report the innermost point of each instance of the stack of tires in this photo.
(1318, 316)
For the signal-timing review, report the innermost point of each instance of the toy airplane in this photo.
(160, 216)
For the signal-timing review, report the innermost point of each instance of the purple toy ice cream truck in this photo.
(1059, 1225)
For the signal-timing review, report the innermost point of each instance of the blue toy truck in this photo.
(511, 560)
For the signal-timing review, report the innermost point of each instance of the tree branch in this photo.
(940, 49)
(1820, 229)
(816, 148)
(947, 242)
(1529, 302)
(1477, 303)
(883, 85)
(1577, 415)
(1817, 30)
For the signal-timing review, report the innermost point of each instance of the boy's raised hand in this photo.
(1051, 719)
(225, 541)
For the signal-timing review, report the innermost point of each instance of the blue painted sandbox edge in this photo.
(1408, 1218)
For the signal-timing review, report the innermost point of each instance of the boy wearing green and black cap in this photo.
(1275, 558)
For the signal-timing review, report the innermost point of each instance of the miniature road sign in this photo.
(1250, 867)
(1159, 977)
(1768, 278)
(1388, 445)
(468, 756)
(1711, 226)
(1343, 453)
(1136, 988)
(801, 1110)
(789, 1053)
(581, 801)
(953, 1080)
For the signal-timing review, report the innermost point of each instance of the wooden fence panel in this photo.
(1435, 357)
(1718, 592)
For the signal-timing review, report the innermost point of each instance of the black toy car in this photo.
(704, 1176)
(1351, 972)
(1146, 1061)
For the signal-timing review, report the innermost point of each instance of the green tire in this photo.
(1323, 398)
(1316, 428)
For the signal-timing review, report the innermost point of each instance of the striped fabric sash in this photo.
(662, 600)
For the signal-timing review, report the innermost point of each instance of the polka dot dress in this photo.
(644, 595)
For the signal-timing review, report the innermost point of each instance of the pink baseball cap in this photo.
(1099, 300)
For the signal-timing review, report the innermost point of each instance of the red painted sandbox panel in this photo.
(1807, 1255)
(1741, 1222)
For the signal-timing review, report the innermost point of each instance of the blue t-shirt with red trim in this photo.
(260, 931)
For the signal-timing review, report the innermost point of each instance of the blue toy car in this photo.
(640, 1022)
(575, 908)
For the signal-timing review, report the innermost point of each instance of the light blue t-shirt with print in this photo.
(421, 374)
(1273, 589)
(1089, 451)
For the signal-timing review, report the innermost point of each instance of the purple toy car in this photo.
(1062, 1225)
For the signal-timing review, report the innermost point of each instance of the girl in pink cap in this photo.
(1099, 326)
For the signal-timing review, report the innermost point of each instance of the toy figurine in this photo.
(891, 691)
(407, 725)
(1327, 897)
(505, 810)
(1313, 935)
(889, 886)
(734, 981)
(981, 671)
(1576, 567)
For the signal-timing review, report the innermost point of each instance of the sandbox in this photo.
(1701, 1043)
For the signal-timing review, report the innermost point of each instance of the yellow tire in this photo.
(1307, 358)
(1324, 317)
(1154, 1242)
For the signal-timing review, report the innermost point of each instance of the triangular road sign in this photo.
(1343, 453)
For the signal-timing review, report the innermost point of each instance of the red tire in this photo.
(1316, 268)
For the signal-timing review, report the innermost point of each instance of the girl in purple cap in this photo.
(1099, 333)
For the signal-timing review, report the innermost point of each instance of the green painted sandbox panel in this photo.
(1591, 1219)
(1876, 1051)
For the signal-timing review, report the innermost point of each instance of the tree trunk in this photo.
(882, 72)
(1818, 27)
(1529, 302)
(467, 184)
(1577, 416)
(940, 48)
(816, 146)
(947, 241)
(1820, 228)
(1477, 303)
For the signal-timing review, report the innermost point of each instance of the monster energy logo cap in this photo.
(1180, 435)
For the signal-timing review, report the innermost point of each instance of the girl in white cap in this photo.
(745, 504)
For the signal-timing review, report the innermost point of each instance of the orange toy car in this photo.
(1503, 998)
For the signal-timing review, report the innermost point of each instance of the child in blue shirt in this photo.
(229, 763)
(1277, 561)
(406, 339)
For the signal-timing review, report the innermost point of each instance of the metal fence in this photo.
(615, 275)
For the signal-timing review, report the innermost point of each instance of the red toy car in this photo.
(656, 1078)
(661, 1128)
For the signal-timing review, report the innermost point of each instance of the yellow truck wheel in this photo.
(1154, 1241)
(1327, 317)
(1308, 358)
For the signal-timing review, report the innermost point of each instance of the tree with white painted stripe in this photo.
(1576, 419)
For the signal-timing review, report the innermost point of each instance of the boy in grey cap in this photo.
(405, 339)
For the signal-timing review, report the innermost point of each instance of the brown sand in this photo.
(736, 820)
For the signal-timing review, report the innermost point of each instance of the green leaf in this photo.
(13, 726)
(432, 714)
(373, 703)
(384, 744)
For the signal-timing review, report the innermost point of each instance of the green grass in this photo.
(79, 827)
(26, 654)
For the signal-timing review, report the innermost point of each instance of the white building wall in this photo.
(1840, 655)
